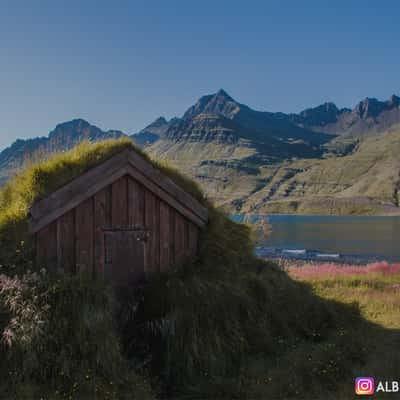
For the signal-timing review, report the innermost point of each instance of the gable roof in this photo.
(127, 162)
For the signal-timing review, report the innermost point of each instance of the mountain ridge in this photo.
(247, 160)
(368, 116)
(63, 137)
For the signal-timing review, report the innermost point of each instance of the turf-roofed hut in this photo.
(121, 221)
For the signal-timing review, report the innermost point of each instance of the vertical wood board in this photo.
(66, 242)
(84, 236)
(136, 204)
(120, 202)
(46, 242)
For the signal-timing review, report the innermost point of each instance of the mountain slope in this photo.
(366, 182)
(245, 160)
(262, 125)
(223, 144)
(151, 133)
(63, 137)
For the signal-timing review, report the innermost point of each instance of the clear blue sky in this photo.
(121, 64)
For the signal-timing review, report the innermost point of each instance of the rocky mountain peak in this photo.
(369, 107)
(394, 101)
(223, 95)
(321, 115)
(160, 121)
(157, 126)
(217, 103)
(69, 132)
(330, 107)
(75, 124)
(151, 133)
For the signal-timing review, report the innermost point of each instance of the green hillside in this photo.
(365, 182)
(224, 326)
(236, 176)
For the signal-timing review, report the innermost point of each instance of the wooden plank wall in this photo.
(84, 246)
(102, 218)
(165, 237)
(66, 242)
(75, 242)
(136, 201)
(46, 245)
(152, 222)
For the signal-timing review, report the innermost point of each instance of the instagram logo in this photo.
(364, 386)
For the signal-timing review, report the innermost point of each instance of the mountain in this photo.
(256, 161)
(219, 129)
(63, 137)
(322, 160)
(364, 182)
(262, 126)
(319, 117)
(369, 116)
(151, 133)
(218, 141)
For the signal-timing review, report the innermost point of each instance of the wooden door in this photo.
(124, 257)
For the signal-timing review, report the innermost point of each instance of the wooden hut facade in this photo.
(121, 220)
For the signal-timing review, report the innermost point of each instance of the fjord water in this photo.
(363, 236)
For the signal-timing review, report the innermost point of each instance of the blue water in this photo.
(345, 235)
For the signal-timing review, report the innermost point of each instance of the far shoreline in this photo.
(314, 215)
(306, 257)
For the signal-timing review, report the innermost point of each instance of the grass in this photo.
(376, 290)
(60, 341)
(375, 287)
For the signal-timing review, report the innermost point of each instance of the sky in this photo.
(122, 64)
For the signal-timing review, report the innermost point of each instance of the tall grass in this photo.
(375, 289)
(58, 339)
(331, 270)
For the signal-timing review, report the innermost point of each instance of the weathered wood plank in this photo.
(165, 236)
(157, 235)
(102, 219)
(84, 236)
(66, 242)
(152, 259)
(119, 203)
(135, 203)
(46, 245)
(163, 195)
(127, 253)
(167, 185)
(179, 239)
(186, 247)
(193, 239)
(172, 213)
